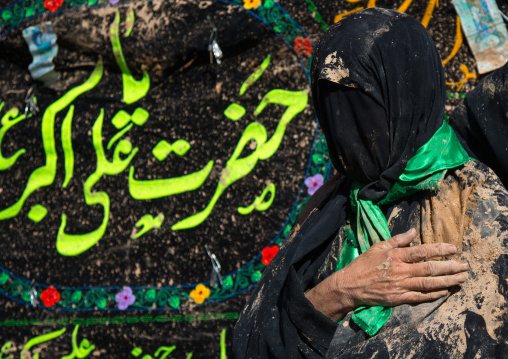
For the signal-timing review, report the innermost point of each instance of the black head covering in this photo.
(379, 92)
(481, 122)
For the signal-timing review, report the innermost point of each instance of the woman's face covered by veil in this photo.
(379, 91)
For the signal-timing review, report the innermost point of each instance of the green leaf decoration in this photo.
(279, 27)
(243, 281)
(268, 4)
(7, 15)
(25, 295)
(30, 11)
(174, 302)
(150, 295)
(227, 283)
(3, 278)
(255, 276)
(318, 159)
(76, 296)
(321, 146)
(287, 229)
(101, 303)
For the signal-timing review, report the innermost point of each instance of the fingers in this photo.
(421, 252)
(426, 251)
(436, 268)
(419, 297)
(426, 284)
(401, 240)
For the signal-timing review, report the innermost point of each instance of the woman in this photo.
(360, 277)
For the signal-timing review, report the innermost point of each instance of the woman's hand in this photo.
(390, 273)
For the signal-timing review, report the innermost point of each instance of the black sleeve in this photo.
(278, 320)
(313, 328)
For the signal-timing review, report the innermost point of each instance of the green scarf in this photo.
(424, 171)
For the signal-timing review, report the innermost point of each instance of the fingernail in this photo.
(410, 231)
(461, 277)
(464, 266)
(452, 249)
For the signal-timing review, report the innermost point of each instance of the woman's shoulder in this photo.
(481, 202)
(475, 176)
(470, 198)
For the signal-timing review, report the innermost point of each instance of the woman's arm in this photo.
(389, 274)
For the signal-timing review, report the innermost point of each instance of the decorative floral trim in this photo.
(268, 253)
(179, 297)
(251, 4)
(50, 296)
(303, 46)
(125, 298)
(313, 183)
(53, 5)
(18, 12)
(200, 293)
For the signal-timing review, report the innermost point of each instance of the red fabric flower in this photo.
(268, 253)
(303, 46)
(53, 5)
(50, 296)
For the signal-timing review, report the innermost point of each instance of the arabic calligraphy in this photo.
(237, 168)
(78, 351)
(85, 347)
(124, 151)
(260, 203)
(10, 119)
(132, 90)
(73, 244)
(45, 175)
(147, 222)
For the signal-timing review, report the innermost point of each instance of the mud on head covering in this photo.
(379, 92)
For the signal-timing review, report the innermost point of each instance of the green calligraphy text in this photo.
(133, 90)
(237, 168)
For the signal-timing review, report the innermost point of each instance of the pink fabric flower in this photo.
(313, 183)
(125, 298)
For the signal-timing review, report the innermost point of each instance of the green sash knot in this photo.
(424, 171)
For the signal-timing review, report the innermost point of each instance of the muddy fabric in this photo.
(470, 210)
(390, 73)
(481, 122)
